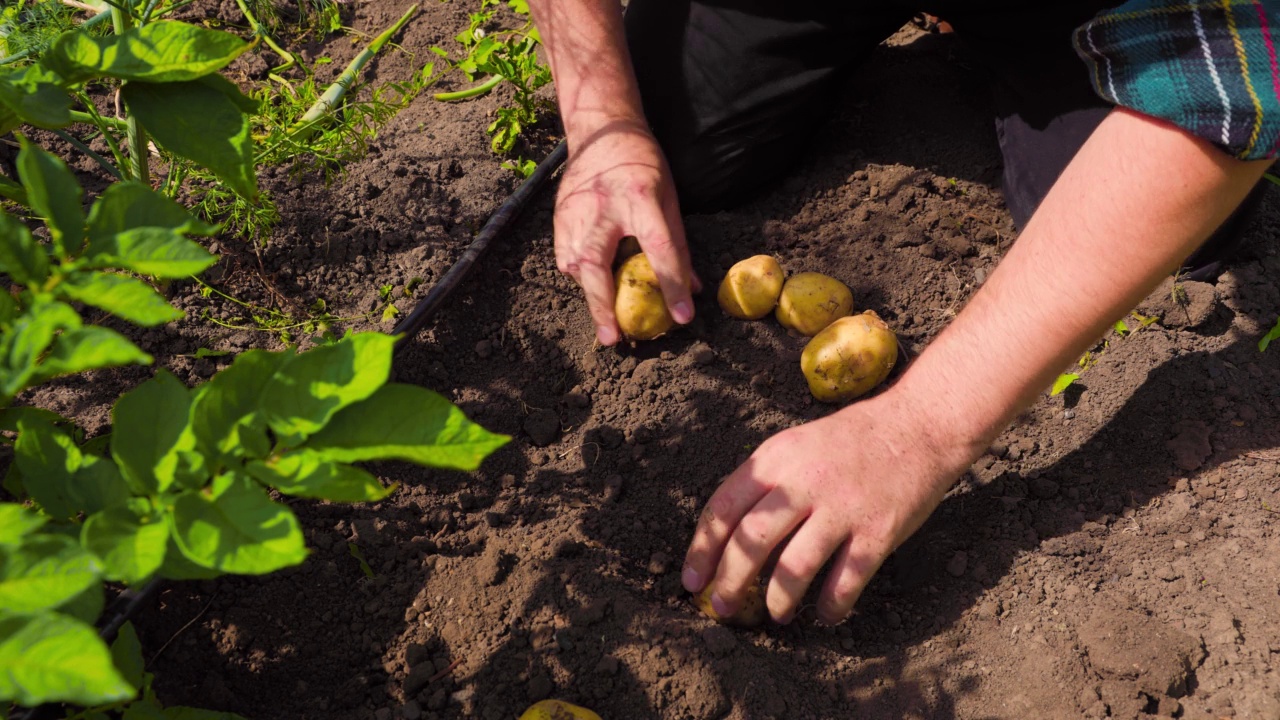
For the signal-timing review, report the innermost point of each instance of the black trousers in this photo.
(734, 88)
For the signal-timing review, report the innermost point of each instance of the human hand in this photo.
(617, 184)
(853, 485)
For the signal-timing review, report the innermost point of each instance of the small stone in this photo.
(1068, 414)
(543, 427)
(1167, 573)
(702, 354)
(658, 563)
(1241, 493)
(418, 677)
(958, 564)
(998, 449)
(612, 488)
(563, 641)
(484, 349)
(495, 519)
(1179, 544)
(577, 399)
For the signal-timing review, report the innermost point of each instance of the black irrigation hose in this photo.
(413, 323)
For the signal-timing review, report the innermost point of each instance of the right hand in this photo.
(617, 184)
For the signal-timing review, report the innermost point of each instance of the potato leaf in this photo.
(406, 422)
(161, 51)
(55, 195)
(124, 297)
(154, 443)
(45, 572)
(129, 538)
(303, 473)
(226, 416)
(89, 348)
(235, 527)
(16, 522)
(126, 653)
(309, 388)
(199, 122)
(49, 657)
(21, 257)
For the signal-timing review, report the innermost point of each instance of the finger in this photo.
(597, 283)
(759, 531)
(662, 238)
(737, 494)
(799, 564)
(855, 563)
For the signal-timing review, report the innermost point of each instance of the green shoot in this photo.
(1063, 382)
(1270, 337)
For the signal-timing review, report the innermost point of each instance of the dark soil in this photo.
(1115, 553)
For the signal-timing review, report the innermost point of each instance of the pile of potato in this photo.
(848, 354)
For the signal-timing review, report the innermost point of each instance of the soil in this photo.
(1114, 554)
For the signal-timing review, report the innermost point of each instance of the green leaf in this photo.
(8, 309)
(21, 257)
(226, 414)
(129, 538)
(87, 606)
(231, 91)
(145, 709)
(50, 657)
(55, 195)
(32, 95)
(124, 297)
(307, 391)
(89, 348)
(196, 121)
(126, 654)
(10, 190)
(16, 522)
(31, 335)
(177, 566)
(153, 437)
(131, 205)
(45, 572)
(406, 422)
(1270, 337)
(161, 51)
(236, 528)
(48, 459)
(9, 417)
(1063, 382)
(159, 252)
(303, 473)
(97, 485)
(1121, 328)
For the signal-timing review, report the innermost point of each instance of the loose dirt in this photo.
(1114, 554)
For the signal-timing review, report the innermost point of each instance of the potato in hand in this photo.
(751, 288)
(638, 303)
(753, 612)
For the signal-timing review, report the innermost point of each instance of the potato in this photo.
(753, 612)
(811, 301)
(850, 357)
(557, 710)
(639, 305)
(751, 288)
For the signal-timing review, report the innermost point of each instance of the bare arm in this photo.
(1135, 201)
(617, 182)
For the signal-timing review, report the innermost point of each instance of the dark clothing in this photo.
(733, 88)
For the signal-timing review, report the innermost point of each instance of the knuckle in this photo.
(754, 530)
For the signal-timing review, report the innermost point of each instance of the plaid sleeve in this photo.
(1207, 67)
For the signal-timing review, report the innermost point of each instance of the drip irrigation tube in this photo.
(417, 319)
(127, 604)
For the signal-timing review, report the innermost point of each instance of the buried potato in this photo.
(752, 613)
(640, 308)
(751, 288)
(811, 301)
(557, 710)
(849, 358)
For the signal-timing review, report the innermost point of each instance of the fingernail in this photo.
(682, 313)
(722, 608)
(606, 335)
(691, 580)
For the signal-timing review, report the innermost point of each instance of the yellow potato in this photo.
(557, 710)
(639, 305)
(849, 358)
(753, 612)
(811, 301)
(751, 288)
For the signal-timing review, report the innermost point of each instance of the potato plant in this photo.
(187, 484)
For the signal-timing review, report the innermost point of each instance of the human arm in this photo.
(617, 182)
(1138, 198)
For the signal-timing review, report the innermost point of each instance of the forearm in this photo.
(587, 52)
(1137, 199)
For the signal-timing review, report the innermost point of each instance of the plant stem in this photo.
(137, 135)
(473, 91)
(84, 117)
(260, 31)
(93, 118)
(333, 95)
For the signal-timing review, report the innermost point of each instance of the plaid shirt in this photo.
(1207, 67)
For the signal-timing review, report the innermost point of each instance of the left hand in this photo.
(854, 485)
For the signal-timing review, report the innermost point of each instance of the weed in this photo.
(1091, 357)
(1270, 337)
